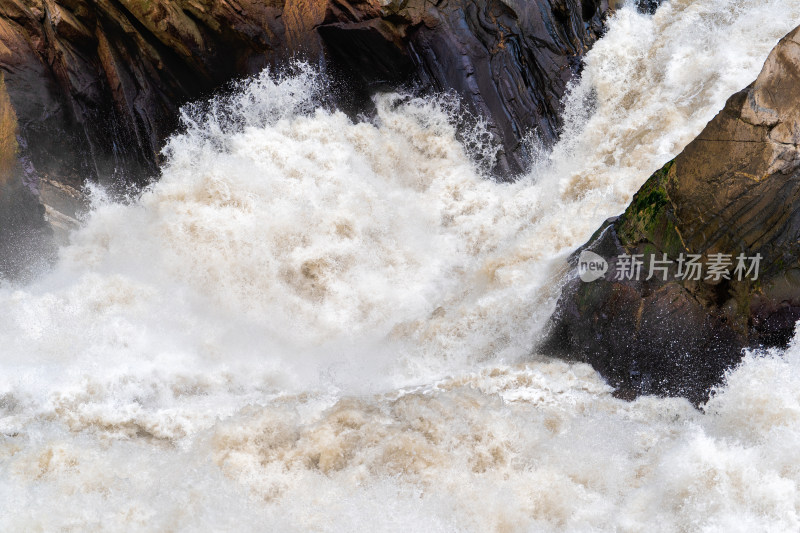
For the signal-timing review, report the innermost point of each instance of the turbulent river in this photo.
(314, 324)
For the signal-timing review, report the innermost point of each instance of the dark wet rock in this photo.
(98, 84)
(508, 60)
(648, 6)
(735, 190)
(25, 238)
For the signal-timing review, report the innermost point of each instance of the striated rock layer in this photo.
(111, 73)
(96, 85)
(735, 190)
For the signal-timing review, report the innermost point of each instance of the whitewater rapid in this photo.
(314, 324)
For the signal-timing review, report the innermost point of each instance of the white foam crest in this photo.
(256, 102)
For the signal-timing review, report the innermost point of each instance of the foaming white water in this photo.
(320, 325)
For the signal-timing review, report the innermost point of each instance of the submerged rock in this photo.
(730, 199)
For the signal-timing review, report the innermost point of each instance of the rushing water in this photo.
(310, 324)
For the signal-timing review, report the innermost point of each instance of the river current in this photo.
(310, 323)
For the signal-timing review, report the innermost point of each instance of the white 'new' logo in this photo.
(591, 266)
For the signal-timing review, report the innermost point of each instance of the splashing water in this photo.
(310, 324)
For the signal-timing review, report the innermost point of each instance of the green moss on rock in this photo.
(649, 217)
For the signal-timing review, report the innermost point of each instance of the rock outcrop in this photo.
(96, 85)
(108, 75)
(734, 191)
(510, 61)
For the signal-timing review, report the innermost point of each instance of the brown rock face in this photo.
(8, 134)
(735, 190)
(111, 73)
(96, 84)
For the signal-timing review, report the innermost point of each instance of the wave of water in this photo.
(310, 324)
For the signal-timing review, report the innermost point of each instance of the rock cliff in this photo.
(730, 199)
(95, 85)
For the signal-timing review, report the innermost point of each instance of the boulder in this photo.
(730, 201)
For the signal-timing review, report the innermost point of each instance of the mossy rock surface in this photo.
(650, 217)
